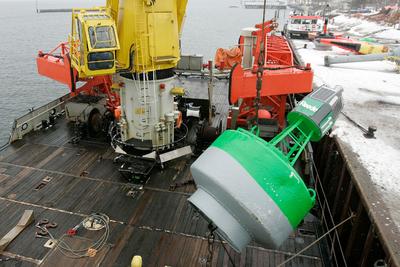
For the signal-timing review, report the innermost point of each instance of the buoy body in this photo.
(249, 191)
(248, 187)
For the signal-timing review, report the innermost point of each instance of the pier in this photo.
(51, 10)
(54, 10)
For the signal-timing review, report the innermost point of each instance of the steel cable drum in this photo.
(248, 187)
(249, 191)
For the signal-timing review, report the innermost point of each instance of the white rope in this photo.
(97, 245)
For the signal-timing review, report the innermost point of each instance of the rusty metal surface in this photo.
(372, 234)
(374, 203)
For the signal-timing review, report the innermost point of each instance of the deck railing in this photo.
(35, 119)
(344, 188)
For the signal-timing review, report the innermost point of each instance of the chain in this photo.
(261, 62)
(227, 252)
(211, 243)
(174, 186)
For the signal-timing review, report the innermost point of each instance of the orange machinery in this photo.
(57, 65)
(280, 78)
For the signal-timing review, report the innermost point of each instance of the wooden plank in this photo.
(372, 199)
(11, 260)
(25, 157)
(26, 219)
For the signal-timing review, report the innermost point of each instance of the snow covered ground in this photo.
(361, 28)
(371, 98)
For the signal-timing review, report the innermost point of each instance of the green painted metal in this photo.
(270, 164)
(303, 113)
(271, 170)
(297, 136)
(369, 40)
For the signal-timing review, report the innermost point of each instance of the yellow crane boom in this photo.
(128, 36)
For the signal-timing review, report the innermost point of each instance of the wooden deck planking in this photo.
(30, 154)
(56, 257)
(156, 223)
(25, 189)
(9, 181)
(26, 244)
(14, 263)
(58, 136)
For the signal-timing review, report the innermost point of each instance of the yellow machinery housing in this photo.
(368, 48)
(138, 40)
(93, 42)
(128, 36)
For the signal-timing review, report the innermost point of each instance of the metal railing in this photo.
(33, 120)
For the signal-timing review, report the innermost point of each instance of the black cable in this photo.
(368, 133)
(354, 122)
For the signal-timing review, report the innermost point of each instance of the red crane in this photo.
(281, 76)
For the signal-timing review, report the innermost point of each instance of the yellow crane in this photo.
(126, 52)
(126, 36)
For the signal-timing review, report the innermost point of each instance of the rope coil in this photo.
(89, 251)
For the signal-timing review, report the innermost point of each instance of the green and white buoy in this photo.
(249, 188)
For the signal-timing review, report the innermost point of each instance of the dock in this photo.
(54, 10)
(253, 5)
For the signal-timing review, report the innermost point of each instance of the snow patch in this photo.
(393, 34)
(361, 28)
(374, 154)
(371, 98)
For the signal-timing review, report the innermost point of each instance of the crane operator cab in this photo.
(93, 42)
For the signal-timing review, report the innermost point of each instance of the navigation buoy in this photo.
(249, 188)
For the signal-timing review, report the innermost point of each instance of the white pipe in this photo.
(329, 60)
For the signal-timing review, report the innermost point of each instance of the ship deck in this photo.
(156, 223)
